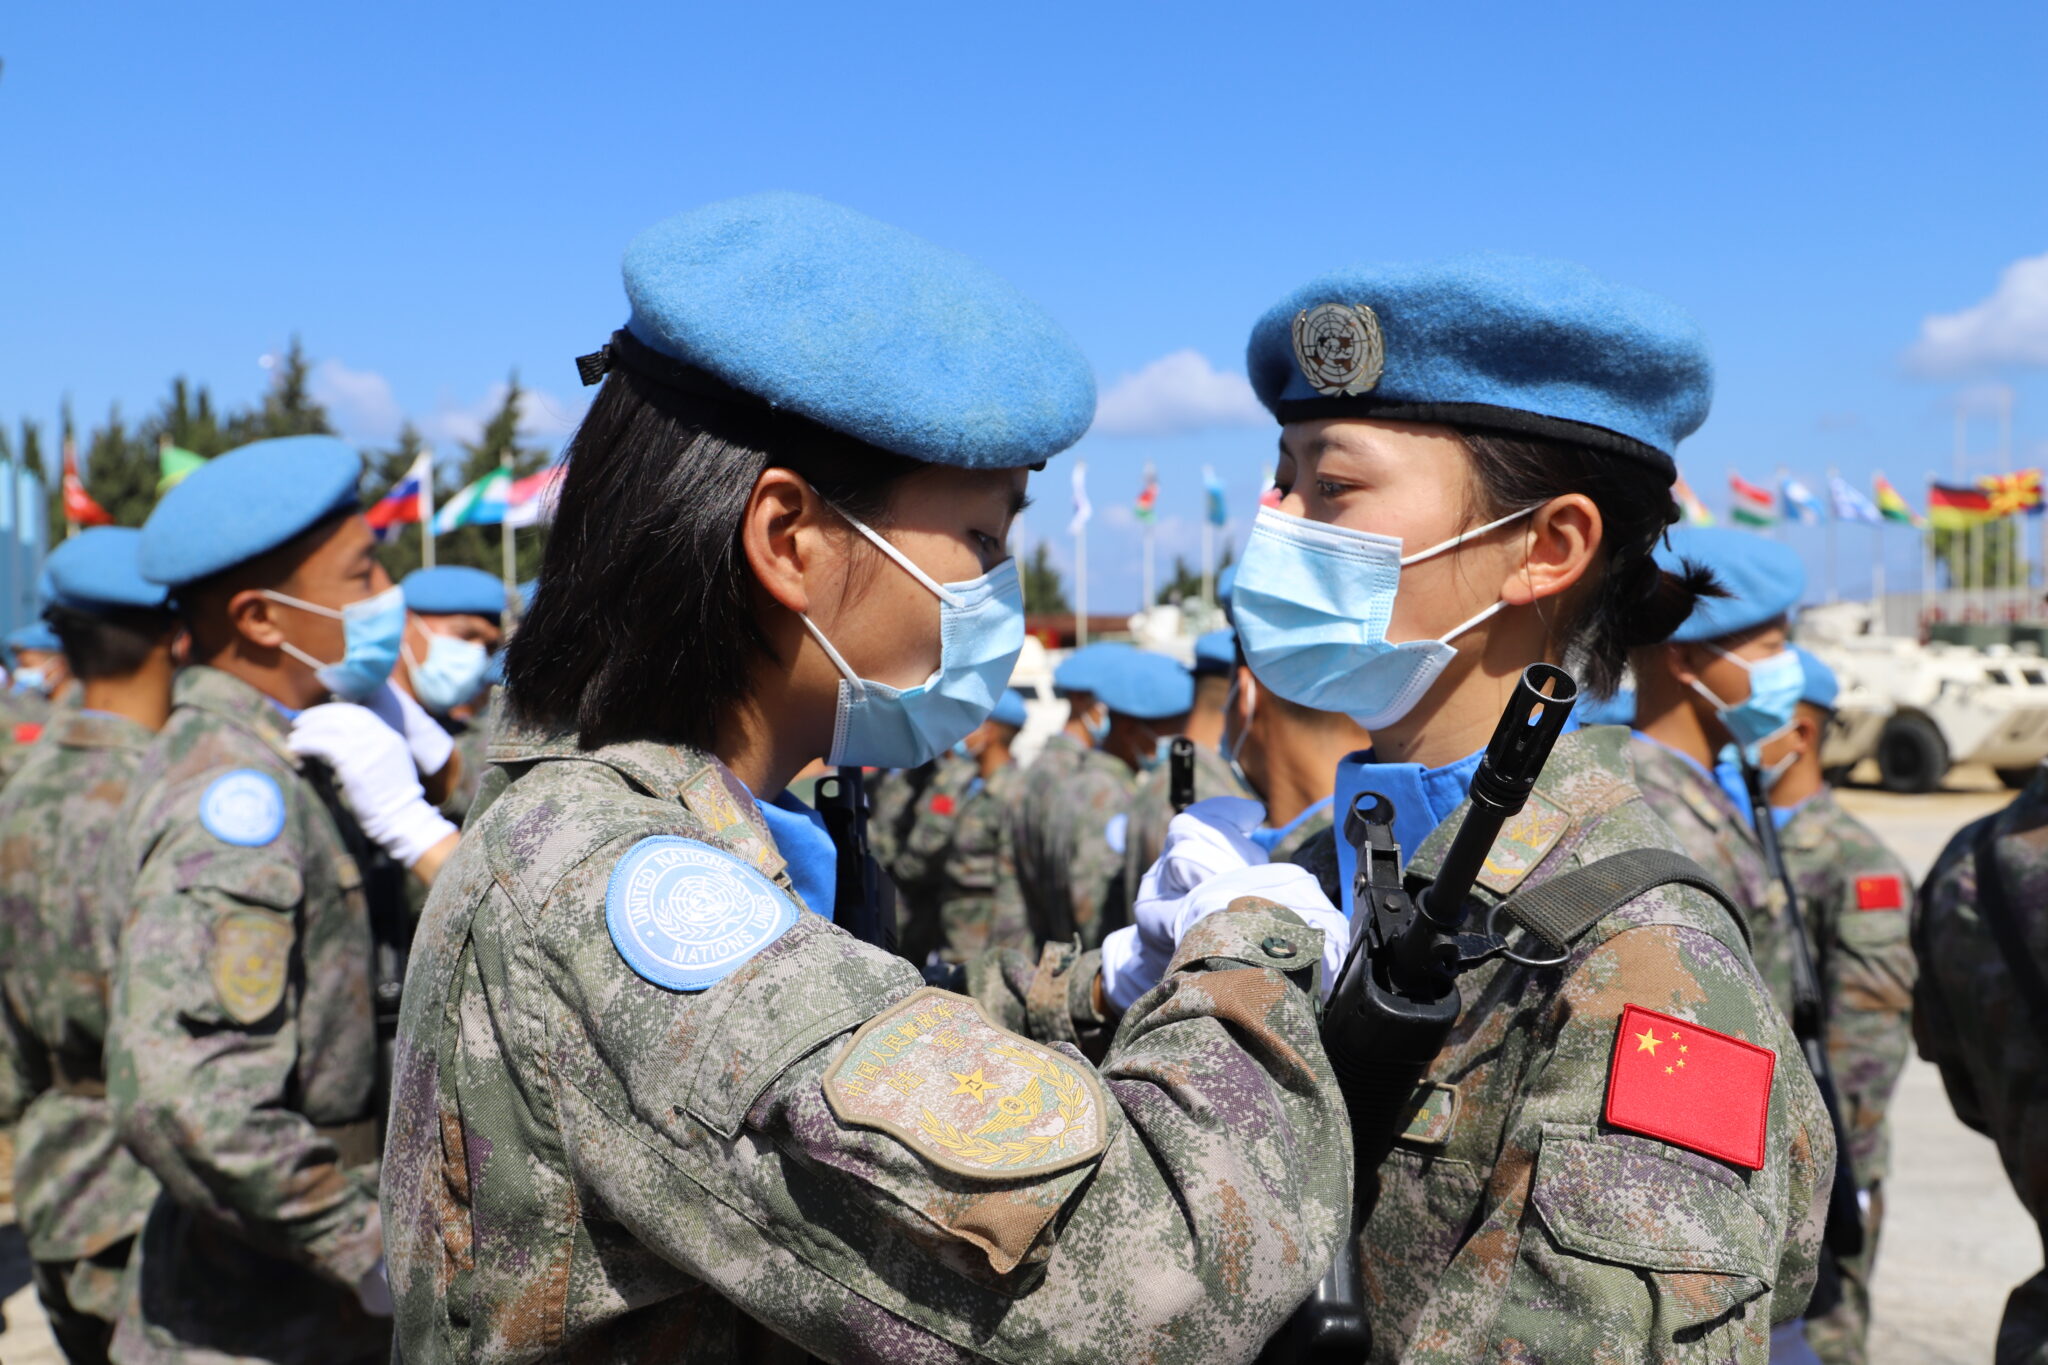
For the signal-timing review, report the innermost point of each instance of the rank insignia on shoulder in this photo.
(252, 954)
(1523, 843)
(1880, 893)
(244, 807)
(934, 1073)
(1673, 1080)
(685, 915)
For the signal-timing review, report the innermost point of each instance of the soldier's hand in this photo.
(1162, 922)
(431, 745)
(374, 766)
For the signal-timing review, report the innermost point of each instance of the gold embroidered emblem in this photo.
(1339, 348)
(1523, 843)
(1436, 1115)
(998, 1105)
(252, 955)
(711, 800)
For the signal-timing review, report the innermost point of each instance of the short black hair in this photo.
(643, 624)
(109, 646)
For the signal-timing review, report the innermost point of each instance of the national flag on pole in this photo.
(2011, 493)
(1147, 508)
(406, 503)
(1850, 504)
(1083, 510)
(1891, 505)
(79, 507)
(1219, 509)
(480, 504)
(1752, 504)
(173, 463)
(1695, 511)
(1801, 505)
(1681, 1083)
(532, 500)
(1951, 508)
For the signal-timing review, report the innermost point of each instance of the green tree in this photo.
(1186, 583)
(287, 408)
(121, 469)
(1045, 592)
(1986, 556)
(482, 546)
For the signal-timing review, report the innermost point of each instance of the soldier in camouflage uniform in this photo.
(921, 831)
(38, 675)
(652, 1102)
(1980, 1013)
(1854, 895)
(950, 858)
(1034, 859)
(454, 625)
(81, 1197)
(242, 1052)
(1618, 1157)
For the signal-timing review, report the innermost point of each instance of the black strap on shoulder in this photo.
(1565, 907)
(1996, 911)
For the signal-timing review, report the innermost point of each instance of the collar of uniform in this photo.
(222, 694)
(96, 730)
(1808, 826)
(1661, 767)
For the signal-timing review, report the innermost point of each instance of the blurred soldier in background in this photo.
(1038, 841)
(37, 674)
(949, 860)
(453, 627)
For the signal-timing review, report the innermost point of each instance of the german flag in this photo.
(1954, 508)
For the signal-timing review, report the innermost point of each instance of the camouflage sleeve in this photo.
(1094, 869)
(1624, 1238)
(1051, 999)
(1870, 997)
(17, 1085)
(921, 854)
(203, 1049)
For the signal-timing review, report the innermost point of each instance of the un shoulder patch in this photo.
(244, 807)
(935, 1074)
(252, 954)
(684, 915)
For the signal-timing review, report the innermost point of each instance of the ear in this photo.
(1559, 544)
(1810, 728)
(780, 536)
(1244, 697)
(254, 617)
(1679, 661)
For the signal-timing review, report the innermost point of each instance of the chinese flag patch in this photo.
(942, 805)
(1880, 893)
(1690, 1086)
(27, 732)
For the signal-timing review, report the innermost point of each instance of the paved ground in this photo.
(1955, 1240)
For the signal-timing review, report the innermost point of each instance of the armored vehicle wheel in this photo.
(1911, 754)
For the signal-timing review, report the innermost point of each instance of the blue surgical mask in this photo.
(1162, 750)
(1730, 758)
(981, 633)
(1312, 604)
(31, 680)
(451, 674)
(1097, 726)
(1774, 687)
(372, 631)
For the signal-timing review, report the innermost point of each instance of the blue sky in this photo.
(1849, 197)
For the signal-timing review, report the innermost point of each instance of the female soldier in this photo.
(651, 1103)
(1476, 464)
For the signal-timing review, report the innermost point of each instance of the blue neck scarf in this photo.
(800, 837)
(1422, 797)
(1270, 839)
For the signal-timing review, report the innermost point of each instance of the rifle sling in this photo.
(1562, 909)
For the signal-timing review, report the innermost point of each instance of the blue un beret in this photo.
(1083, 670)
(96, 572)
(1009, 709)
(1763, 579)
(1821, 687)
(454, 590)
(246, 503)
(856, 325)
(34, 635)
(1492, 341)
(1146, 685)
(1216, 652)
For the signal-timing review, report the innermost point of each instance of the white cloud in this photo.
(1175, 394)
(364, 408)
(359, 402)
(2010, 328)
(543, 418)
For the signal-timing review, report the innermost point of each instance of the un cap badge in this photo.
(1339, 348)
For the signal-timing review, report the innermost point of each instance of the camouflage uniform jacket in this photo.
(1515, 1222)
(1066, 867)
(587, 1166)
(1855, 897)
(957, 840)
(79, 1190)
(22, 716)
(917, 857)
(242, 1051)
(1319, 823)
(1151, 806)
(472, 737)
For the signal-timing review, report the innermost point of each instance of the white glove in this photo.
(1129, 967)
(1208, 838)
(1162, 924)
(373, 1291)
(430, 744)
(375, 768)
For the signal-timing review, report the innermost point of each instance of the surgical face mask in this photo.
(1733, 757)
(1312, 604)
(372, 632)
(31, 680)
(981, 633)
(1097, 726)
(451, 674)
(1774, 687)
(1160, 752)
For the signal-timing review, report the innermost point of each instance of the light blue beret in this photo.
(1619, 709)
(526, 591)
(858, 326)
(248, 502)
(1821, 687)
(96, 572)
(1146, 685)
(1216, 652)
(1763, 579)
(1493, 341)
(454, 590)
(34, 635)
(1082, 670)
(1009, 709)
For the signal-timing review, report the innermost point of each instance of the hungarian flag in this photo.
(1953, 508)
(1689, 1086)
(1752, 505)
(1148, 498)
(1696, 513)
(1891, 505)
(79, 507)
(2012, 493)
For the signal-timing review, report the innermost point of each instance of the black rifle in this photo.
(863, 904)
(1844, 1236)
(1180, 773)
(1396, 997)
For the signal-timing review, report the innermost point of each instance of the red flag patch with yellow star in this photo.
(1690, 1086)
(1880, 893)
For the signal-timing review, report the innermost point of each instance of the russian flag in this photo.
(409, 500)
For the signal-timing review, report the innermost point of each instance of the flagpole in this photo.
(505, 532)
(1081, 586)
(1834, 515)
(427, 506)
